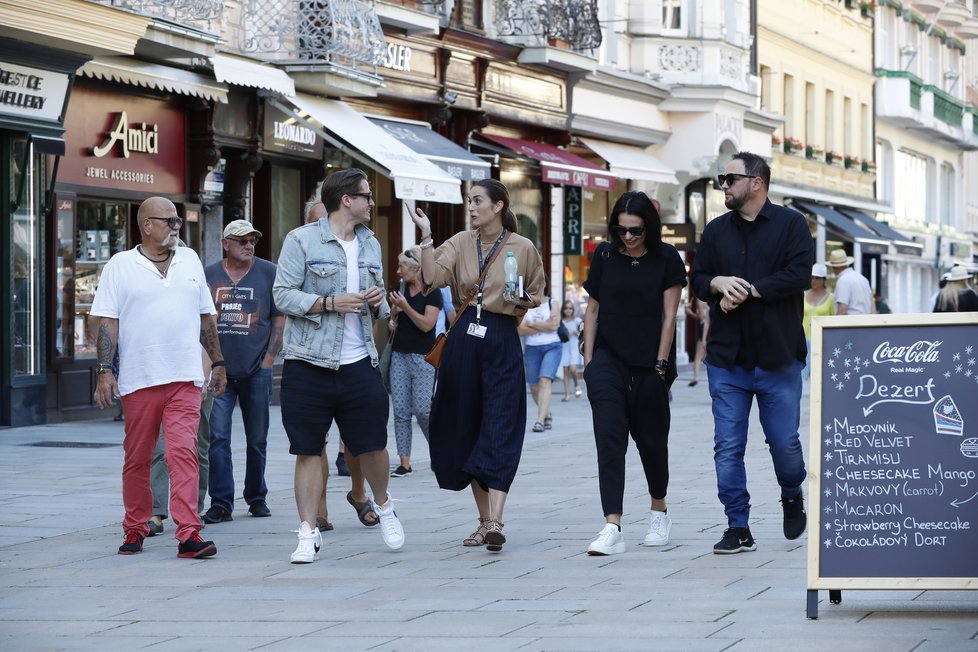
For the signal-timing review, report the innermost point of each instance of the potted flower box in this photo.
(869, 167)
(852, 162)
(833, 158)
(814, 152)
(793, 146)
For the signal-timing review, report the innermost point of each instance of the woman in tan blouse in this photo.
(478, 414)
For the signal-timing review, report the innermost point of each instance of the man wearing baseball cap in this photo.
(853, 295)
(250, 329)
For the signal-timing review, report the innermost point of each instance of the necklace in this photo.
(635, 262)
(163, 260)
(234, 281)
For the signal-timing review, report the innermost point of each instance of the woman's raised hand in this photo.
(421, 220)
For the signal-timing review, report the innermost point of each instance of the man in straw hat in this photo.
(853, 295)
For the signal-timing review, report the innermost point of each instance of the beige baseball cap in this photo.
(240, 228)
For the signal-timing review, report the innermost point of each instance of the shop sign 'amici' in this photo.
(136, 138)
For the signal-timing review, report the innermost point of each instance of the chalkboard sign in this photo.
(893, 474)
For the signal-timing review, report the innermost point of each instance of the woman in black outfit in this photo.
(634, 284)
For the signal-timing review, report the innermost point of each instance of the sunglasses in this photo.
(244, 242)
(369, 196)
(408, 254)
(172, 222)
(731, 178)
(620, 231)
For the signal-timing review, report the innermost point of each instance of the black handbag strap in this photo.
(478, 284)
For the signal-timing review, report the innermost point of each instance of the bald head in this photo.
(159, 223)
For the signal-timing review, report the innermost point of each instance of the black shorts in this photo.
(354, 395)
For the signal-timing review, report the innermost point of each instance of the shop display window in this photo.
(100, 232)
(27, 184)
(526, 201)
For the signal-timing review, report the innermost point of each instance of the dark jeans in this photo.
(627, 400)
(253, 393)
(778, 394)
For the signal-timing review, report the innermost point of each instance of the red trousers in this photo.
(177, 407)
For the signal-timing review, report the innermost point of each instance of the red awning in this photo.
(559, 167)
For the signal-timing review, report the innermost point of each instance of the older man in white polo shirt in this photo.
(154, 304)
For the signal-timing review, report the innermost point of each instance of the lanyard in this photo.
(482, 282)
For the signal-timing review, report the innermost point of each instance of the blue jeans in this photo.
(254, 394)
(778, 394)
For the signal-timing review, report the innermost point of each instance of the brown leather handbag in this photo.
(434, 356)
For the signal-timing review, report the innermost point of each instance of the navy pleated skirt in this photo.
(478, 414)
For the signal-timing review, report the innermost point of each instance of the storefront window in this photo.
(286, 205)
(100, 234)
(64, 276)
(525, 200)
(27, 184)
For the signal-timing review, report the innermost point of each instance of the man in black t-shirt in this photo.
(752, 266)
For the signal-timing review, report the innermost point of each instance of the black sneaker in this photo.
(341, 467)
(794, 516)
(132, 544)
(195, 548)
(400, 472)
(259, 509)
(216, 514)
(735, 539)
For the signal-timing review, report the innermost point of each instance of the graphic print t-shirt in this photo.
(244, 315)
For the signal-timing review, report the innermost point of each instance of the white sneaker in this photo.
(609, 542)
(659, 527)
(390, 527)
(310, 541)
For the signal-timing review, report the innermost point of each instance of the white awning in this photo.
(630, 162)
(242, 72)
(340, 125)
(151, 75)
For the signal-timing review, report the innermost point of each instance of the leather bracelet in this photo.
(219, 363)
(102, 368)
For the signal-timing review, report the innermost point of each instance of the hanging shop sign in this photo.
(123, 142)
(31, 92)
(284, 134)
(573, 221)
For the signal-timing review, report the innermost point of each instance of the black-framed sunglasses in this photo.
(731, 178)
(409, 255)
(172, 222)
(620, 230)
(369, 196)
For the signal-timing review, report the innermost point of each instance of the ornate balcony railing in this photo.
(537, 22)
(344, 32)
(198, 13)
(441, 8)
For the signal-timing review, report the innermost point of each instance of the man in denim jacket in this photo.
(330, 286)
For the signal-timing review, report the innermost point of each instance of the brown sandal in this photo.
(494, 536)
(477, 538)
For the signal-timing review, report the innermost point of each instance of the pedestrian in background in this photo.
(154, 305)
(570, 355)
(250, 328)
(853, 295)
(413, 318)
(818, 303)
(542, 355)
(330, 286)
(957, 295)
(478, 414)
(698, 310)
(634, 283)
(753, 265)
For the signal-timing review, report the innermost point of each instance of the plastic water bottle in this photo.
(509, 268)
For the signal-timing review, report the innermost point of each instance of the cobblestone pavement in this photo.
(62, 585)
